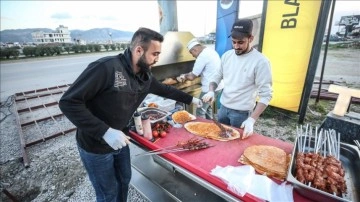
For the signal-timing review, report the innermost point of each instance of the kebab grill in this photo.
(175, 60)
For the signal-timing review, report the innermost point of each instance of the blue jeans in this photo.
(109, 174)
(232, 117)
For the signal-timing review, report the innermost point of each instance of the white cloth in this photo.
(206, 64)
(245, 77)
(242, 180)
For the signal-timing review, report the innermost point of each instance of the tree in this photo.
(39, 51)
(97, 48)
(83, 48)
(67, 49)
(29, 51)
(106, 46)
(113, 47)
(76, 48)
(9, 52)
(90, 47)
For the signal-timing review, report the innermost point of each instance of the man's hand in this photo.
(116, 139)
(248, 126)
(181, 78)
(209, 97)
(197, 102)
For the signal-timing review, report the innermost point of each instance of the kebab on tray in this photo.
(317, 161)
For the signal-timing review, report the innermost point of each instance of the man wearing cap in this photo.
(206, 64)
(247, 76)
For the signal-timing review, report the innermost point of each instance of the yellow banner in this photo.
(287, 41)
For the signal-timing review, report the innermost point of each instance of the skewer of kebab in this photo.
(322, 171)
(189, 145)
(191, 141)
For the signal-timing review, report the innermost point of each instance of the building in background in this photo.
(349, 26)
(61, 35)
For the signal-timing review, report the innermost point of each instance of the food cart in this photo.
(186, 176)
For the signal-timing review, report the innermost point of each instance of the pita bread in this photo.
(182, 117)
(210, 130)
(268, 160)
(169, 81)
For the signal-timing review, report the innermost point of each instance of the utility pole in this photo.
(110, 38)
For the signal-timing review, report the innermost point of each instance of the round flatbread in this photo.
(268, 160)
(211, 131)
(182, 117)
(169, 81)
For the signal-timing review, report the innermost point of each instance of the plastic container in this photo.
(154, 114)
(166, 105)
(138, 123)
(152, 98)
(145, 121)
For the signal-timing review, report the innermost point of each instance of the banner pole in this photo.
(314, 58)
(325, 51)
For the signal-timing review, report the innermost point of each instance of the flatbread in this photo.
(210, 130)
(182, 117)
(268, 160)
(169, 81)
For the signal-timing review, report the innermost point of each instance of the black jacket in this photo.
(106, 94)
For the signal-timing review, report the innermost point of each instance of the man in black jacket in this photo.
(100, 104)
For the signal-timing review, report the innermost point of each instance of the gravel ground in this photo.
(56, 172)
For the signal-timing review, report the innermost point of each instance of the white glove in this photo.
(209, 97)
(197, 102)
(116, 138)
(181, 78)
(249, 127)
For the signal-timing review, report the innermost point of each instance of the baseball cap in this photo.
(242, 28)
(193, 42)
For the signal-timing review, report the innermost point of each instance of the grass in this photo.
(281, 124)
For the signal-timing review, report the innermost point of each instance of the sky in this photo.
(198, 17)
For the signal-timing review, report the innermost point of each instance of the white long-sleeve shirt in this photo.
(245, 77)
(206, 64)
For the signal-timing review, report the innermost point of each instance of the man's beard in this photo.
(241, 52)
(144, 66)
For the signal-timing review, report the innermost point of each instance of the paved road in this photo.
(22, 76)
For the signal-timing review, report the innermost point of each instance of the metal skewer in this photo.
(174, 150)
(306, 134)
(178, 145)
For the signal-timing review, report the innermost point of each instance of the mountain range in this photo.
(90, 36)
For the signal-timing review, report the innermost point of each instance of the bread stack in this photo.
(268, 160)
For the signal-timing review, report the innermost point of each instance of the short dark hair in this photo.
(143, 36)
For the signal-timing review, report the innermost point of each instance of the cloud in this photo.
(3, 18)
(61, 16)
(108, 18)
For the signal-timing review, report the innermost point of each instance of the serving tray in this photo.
(350, 159)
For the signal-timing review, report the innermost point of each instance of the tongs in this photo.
(224, 132)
